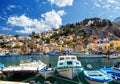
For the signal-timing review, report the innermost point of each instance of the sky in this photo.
(22, 17)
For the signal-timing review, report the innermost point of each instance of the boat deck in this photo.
(22, 69)
(10, 82)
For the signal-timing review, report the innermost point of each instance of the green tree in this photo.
(1, 37)
(118, 48)
(16, 35)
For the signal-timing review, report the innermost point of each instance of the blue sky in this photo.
(24, 16)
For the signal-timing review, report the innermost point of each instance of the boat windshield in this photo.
(69, 62)
(77, 63)
(67, 58)
(73, 58)
(61, 58)
(61, 63)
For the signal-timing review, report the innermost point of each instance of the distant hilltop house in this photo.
(105, 40)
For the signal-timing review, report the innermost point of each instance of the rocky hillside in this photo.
(91, 29)
(117, 20)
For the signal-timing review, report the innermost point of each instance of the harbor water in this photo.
(96, 63)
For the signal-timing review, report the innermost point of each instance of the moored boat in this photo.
(113, 56)
(115, 74)
(47, 72)
(97, 77)
(117, 66)
(68, 66)
(27, 67)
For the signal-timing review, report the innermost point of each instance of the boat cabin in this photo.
(61, 58)
(68, 61)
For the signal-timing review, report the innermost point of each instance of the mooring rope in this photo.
(78, 79)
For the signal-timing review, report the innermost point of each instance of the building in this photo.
(115, 44)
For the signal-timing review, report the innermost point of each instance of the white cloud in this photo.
(61, 12)
(111, 1)
(47, 21)
(111, 16)
(20, 21)
(97, 5)
(61, 3)
(5, 28)
(107, 6)
(111, 8)
(10, 7)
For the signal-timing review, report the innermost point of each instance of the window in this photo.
(105, 48)
(61, 64)
(73, 58)
(69, 63)
(77, 63)
(61, 58)
(67, 57)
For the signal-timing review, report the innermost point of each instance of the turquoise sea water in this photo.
(95, 62)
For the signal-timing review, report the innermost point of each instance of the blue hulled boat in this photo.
(115, 74)
(47, 72)
(97, 77)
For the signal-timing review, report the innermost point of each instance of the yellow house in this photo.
(105, 46)
(115, 44)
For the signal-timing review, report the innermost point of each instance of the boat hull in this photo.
(69, 73)
(113, 57)
(113, 72)
(94, 82)
(47, 73)
(97, 77)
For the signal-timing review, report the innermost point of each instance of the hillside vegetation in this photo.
(90, 28)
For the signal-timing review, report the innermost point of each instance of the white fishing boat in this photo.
(97, 77)
(68, 66)
(27, 67)
(113, 56)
